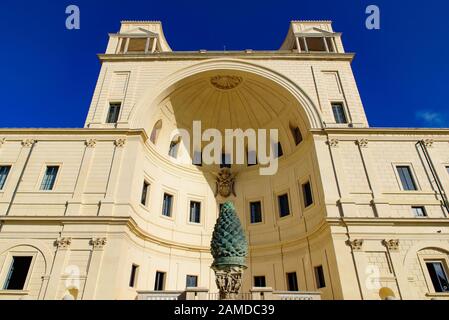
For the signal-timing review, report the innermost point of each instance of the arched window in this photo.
(296, 133)
(174, 147)
(156, 130)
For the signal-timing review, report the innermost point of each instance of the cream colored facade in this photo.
(86, 233)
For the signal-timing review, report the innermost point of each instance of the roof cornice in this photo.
(406, 131)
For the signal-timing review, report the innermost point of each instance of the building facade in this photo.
(118, 208)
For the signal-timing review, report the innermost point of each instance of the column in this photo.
(107, 205)
(74, 205)
(93, 273)
(59, 262)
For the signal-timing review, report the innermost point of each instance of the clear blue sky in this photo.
(49, 73)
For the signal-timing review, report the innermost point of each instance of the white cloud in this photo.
(431, 118)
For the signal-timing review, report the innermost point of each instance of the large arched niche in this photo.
(145, 112)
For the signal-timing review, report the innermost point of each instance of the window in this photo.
(195, 212)
(278, 151)
(259, 282)
(447, 169)
(145, 188)
(438, 275)
(319, 276)
(159, 282)
(297, 136)
(133, 277)
(49, 180)
(292, 282)
(405, 174)
(339, 113)
(284, 207)
(198, 158)
(156, 130)
(167, 205)
(174, 147)
(18, 273)
(225, 161)
(4, 172)
(114, 112)
(307, 194)
(316, 44)
(256, 211)
(137, 44)
(192, 281)
(330, 44)
(419, 211)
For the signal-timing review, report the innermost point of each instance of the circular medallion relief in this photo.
(226, 82)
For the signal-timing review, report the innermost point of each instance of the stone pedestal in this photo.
(229, 281)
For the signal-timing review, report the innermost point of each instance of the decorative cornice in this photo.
(333, 143)
(392, 244)
(63, 243)
(28, 143)
(362, 143)
(91, 143)
(120, 143)
(98, 243)
(73, 132)
(355, 244)
(428, 143)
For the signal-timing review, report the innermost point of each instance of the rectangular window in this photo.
(316, 44)
(192, 281)
(319, 276)
(159, 283)
(330, 44)
(4, 172)
(297, 136)
(419, 211)
(284, 207)
(307, 194)
(145, 188)
(114, 112)
(259, 282)
(137, 44)
(133, 277)
(195, 212)
(339, 113)
(279, 152)
(407, 181)
(49, 180)
(438, 275)
(167, 205)
(225, 161)
(256, 211)
(292, 282)
(18, 273)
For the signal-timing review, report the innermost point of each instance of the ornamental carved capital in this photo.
(120, 143)
(98, 243)
(362, 143)
(392, 245)
(91, 143)
(63, 243)
(428, 143)
(28, 143)
(355, 244)
(333, 143)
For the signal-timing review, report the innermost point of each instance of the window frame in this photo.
(303, 194)
(190, 201)
(287, 276)
(344, 110)
(427, 258)
(260, 277)
(262, 220)
(320, 277)
(8, 174)
(196, 280)
(147, 193)
(8, 264)
(120, 103)
(43, 175)
(175, 144)
(278, 204)
(414, 178)
(164, 280)
(134, 276)
(171, 217)
(424, 211)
